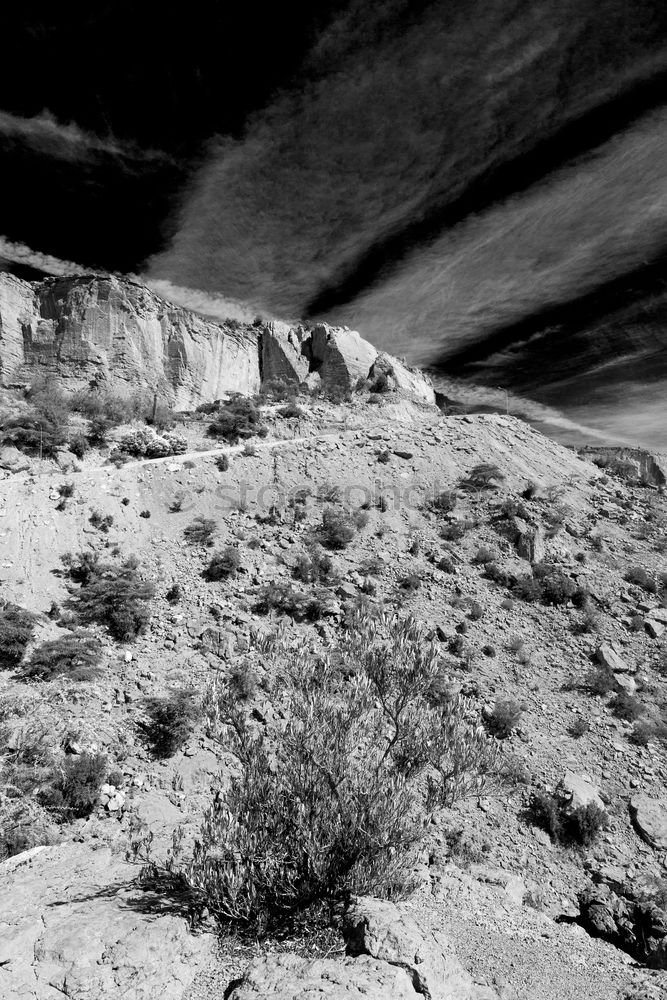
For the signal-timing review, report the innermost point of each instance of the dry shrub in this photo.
(329, 799)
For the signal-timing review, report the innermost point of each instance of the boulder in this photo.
(623, 682)
(340, 356)
(527, 539)
(391, 955)
(654, 628)
(392, 933)
(608, 657)
(580, 790)
(288, 977)
(650, 819)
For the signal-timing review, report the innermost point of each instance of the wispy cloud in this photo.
(216, 307)
(67, 141)
(19, 253)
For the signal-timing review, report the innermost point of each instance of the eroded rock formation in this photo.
(113, 333)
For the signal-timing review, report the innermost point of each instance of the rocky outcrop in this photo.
(631, 916)
(390, 953)
(649, 467)
(117, 334)
(72, 925)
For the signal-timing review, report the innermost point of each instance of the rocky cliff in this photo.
(118, 334)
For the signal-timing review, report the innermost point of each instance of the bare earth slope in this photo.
(72, 923)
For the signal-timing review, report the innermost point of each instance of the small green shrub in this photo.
(16, 628)
(444, 502)
(410, 584)
(328, 493)
(600, 681)
(174, 593)
(78, 445)
(446, 565)
(580, 826)
(640, 578)
(627, 706)
(242, 682)
(236, 420)
(504, 718)
(200, 531)
(101, 521)
(485, 555)
(283, 598)
(455, 531)
(484, 476)
(316, 566)
(169, 721)
(112, 595)
(337, 529)
(223, 564)
(578, 728)
(222, 463)
(292, 411)
(75, 656)
(76, 785)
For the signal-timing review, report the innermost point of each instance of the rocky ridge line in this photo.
(117, 334)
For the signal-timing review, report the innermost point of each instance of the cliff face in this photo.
(117, 334)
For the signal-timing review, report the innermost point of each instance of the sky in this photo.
(477, 187)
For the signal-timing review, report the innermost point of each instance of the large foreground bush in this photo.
(330, 801)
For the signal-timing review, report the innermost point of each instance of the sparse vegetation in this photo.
(638, 576)
(316, 566)
(101, 521)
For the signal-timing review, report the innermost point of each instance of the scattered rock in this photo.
(650, 819)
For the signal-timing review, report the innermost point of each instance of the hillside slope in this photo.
(488, 876)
